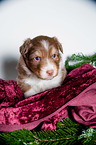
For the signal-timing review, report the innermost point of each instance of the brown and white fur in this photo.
(40, 66)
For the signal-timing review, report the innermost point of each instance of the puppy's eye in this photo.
(54, 56)
(37, 58)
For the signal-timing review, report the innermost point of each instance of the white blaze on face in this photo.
(45, 43)
(49, 70)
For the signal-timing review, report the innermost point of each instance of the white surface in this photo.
(73, 22)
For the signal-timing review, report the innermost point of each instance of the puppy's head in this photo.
(42, 56)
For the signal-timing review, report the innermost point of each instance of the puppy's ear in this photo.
(25, 48)
(58, 44)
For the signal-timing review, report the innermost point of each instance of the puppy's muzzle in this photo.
(50, 72)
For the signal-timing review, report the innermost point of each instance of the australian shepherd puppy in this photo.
(40, 66)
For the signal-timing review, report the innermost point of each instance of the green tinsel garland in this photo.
(67, 132)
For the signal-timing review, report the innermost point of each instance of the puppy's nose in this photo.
(50, 72)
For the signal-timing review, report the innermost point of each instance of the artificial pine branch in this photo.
(66, 133)
(77, 60)
(88, 136)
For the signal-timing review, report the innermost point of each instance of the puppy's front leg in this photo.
(24, 87)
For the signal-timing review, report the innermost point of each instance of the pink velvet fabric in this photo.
(75, 99)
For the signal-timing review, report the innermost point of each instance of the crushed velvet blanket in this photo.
(75, 98)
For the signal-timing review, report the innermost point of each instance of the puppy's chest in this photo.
(39, 85)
